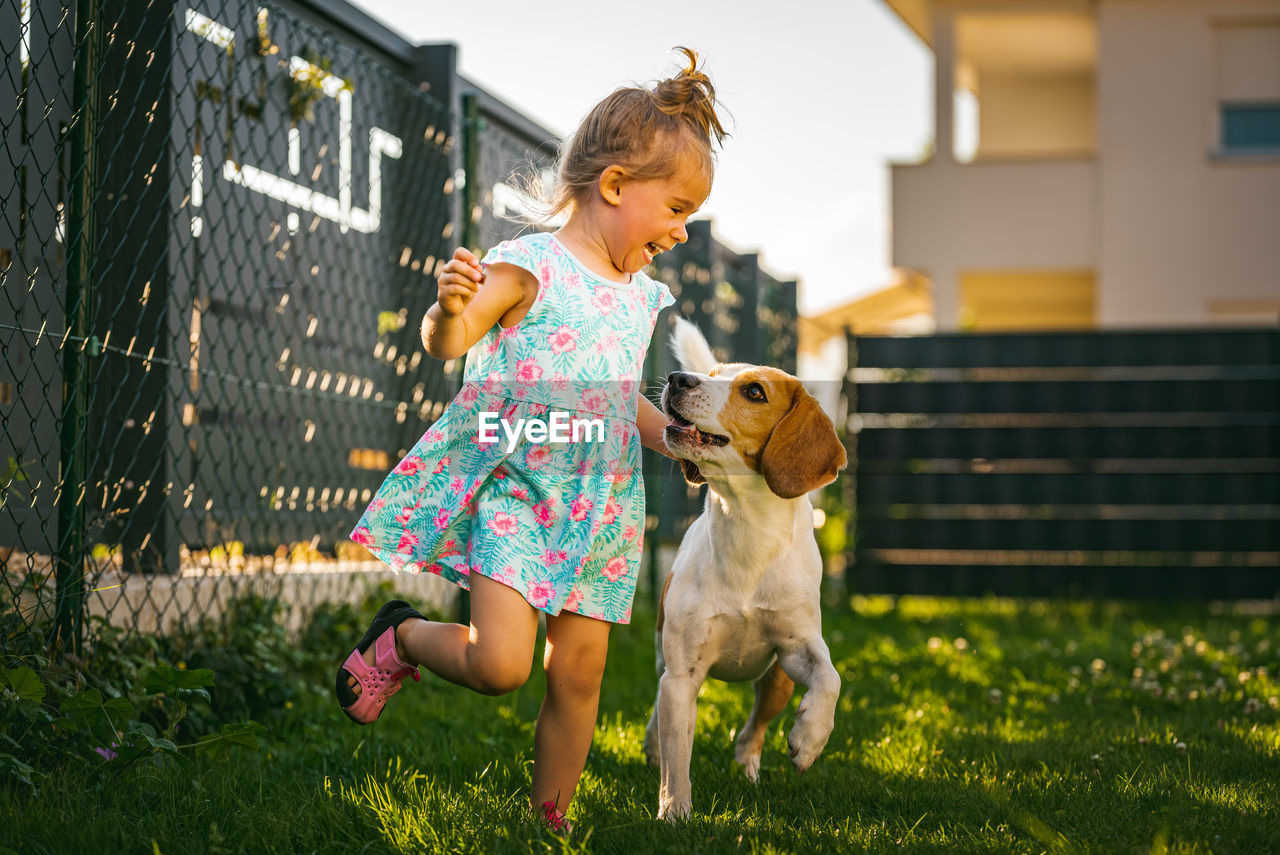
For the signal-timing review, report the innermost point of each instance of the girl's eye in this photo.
(754, 392)
(677, 210)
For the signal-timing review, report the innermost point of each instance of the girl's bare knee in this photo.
(499, 674)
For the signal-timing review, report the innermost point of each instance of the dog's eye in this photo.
(754, 392)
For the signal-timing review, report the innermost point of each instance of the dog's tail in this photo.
(691, 349)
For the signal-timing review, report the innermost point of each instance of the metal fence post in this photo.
(69, 614)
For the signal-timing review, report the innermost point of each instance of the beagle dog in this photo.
(742, 600)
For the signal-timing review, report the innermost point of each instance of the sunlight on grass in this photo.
(982, 725)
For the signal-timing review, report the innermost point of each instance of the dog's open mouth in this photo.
(683, 427)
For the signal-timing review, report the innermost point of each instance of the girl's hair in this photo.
(647, 131)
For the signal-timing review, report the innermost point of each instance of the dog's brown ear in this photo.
(803, 452)
(692, 473)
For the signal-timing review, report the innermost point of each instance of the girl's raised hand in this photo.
(458, 282)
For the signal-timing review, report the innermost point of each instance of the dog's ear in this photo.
(803, 452)
(692, 473)
(690, 348)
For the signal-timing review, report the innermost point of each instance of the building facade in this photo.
(1099, 163)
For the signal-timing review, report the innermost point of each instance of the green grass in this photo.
(963, 726)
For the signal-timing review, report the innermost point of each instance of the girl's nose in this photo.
(679, 233)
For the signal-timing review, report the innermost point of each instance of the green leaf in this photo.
(165, 678)
(219, 745)
(15, 768)
(25, 684)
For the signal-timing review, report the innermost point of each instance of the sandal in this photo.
(383, 679)
(554, 819)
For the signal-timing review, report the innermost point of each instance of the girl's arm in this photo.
(469, 302)
(652, 424)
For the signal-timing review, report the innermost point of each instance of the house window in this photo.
(1248, 87)
(1250, 128)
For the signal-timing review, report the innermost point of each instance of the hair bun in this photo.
(691, 97)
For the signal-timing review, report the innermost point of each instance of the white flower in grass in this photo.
(962, 643)
(1181, 746)
(995, 696)
(1251, 706)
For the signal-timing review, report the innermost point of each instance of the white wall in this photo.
(1180, 225)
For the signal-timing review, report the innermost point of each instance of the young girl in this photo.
(555, 327)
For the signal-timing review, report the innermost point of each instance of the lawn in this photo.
(963, 726)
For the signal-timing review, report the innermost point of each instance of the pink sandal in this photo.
(554, 819)
(384, 678)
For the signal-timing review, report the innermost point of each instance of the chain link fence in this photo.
(220, 227)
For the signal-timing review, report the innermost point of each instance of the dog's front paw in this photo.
(747, 754)
(807, 738)
(673, 810)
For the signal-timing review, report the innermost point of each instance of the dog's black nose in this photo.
(681, 380)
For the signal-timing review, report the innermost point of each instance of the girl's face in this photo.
(648, 217)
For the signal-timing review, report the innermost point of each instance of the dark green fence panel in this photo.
(1128, 464)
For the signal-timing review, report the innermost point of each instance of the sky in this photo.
(822, 96)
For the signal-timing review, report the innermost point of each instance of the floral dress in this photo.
(555, 512)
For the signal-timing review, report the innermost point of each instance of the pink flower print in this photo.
(629, 533)
(507, 575)
(519, 492)
(611, 511)
(450, 548)
(572, 280)
(435, 568)
(627, 388)
(580, 507)
(543, 513)
(455, 486)
(509, 412)
(559, 383)
(441, 519)
(441, 465)
(539, 594)
(511, 332)
(493, 384)
(362, 536)
(593, 401)
(409, 465)
(375, 506)
(406, 514)
(620, 474)
(499, 473)
(615, 569)
(546, 272)
(408, 540)
(574, 600)
(608, 343)
(463, 569)
(564, 339)
(583, 467)
(493, 346)
(553, 556)
(468, 395)
(537, 457)
(626, 616)
(504, 524)
(528, 372)
(605, 301)
(433, 435)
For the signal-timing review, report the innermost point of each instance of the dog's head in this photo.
(746, 420)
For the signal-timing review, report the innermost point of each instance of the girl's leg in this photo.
(493, 656)
(574, 662)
